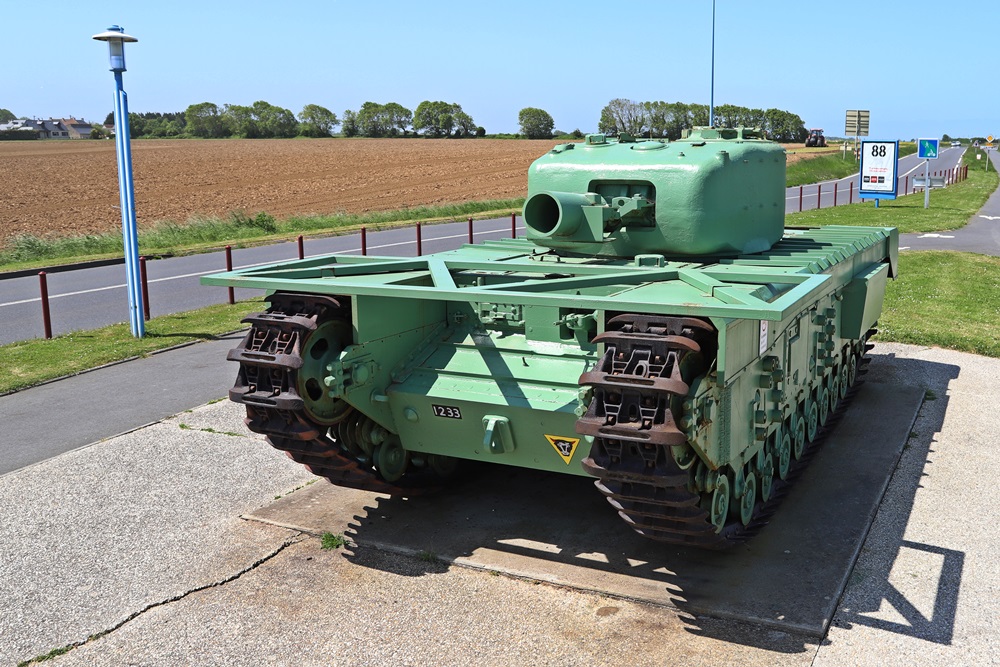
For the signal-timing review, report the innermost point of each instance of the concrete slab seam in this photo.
(291, 526)
(294, 539)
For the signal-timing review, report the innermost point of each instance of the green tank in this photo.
(658, 329)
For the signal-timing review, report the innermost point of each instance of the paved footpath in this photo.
(133, 552)
(52, 418)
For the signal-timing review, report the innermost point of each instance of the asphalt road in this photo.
(981, 235)
(94, 297)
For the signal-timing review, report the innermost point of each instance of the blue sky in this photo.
(923, 68)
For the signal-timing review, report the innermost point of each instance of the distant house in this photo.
(78, 129)
(53, 128)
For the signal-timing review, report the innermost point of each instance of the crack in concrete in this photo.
(294, 539)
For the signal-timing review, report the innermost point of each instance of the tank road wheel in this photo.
(766, 478)
(852, 370)
(749, 498)
(845, 374)
(784, 448)
(823, 404)
(391, 460)
(834, 390)
(718, 504)
(443, 466)
(811, 420)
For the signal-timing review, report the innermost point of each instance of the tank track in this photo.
(270, 358)
(639, 386)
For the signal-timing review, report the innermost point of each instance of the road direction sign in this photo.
(856, 123)
(878, 169)
(927, 149)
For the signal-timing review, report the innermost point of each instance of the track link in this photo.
(638, 387)
(270, 358)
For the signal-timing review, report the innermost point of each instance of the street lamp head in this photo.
(116, 38)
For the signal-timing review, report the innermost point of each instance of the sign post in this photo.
(927, 150)
(856, 124)
(879, 163)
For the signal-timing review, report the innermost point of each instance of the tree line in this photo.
(430, 119)
(262, 120)
(668, 119)
(444, 119)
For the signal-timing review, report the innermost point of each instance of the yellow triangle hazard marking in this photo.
(565, 447)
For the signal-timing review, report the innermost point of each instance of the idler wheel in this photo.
(322, 347)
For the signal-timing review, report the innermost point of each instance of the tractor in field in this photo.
(816, 139)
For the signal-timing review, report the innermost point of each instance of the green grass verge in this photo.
(239, 230)
(830, 166)
(33, 361)
(950, 208)
(944, 299)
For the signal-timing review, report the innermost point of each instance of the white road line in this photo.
(246, 266)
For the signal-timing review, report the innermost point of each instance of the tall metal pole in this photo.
(711, 95)
(130, 236)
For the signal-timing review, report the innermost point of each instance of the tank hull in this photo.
(503, 353)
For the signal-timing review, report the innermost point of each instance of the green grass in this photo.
(945, 299)
(950, 208)
(829, 166)
(33, 361)
(239, 229)
(331, 541)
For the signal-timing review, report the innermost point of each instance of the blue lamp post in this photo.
(116, 38)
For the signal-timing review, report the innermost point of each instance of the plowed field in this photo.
(71, 187)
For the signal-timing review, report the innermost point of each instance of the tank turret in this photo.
(717, 192)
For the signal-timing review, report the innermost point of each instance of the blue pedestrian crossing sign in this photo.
(927, 149)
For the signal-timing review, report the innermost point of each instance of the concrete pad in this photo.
(361, 608)
(926, 588)
(95, 536)
(557, 528)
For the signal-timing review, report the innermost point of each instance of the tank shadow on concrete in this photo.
(868, 606)
(558, 529)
